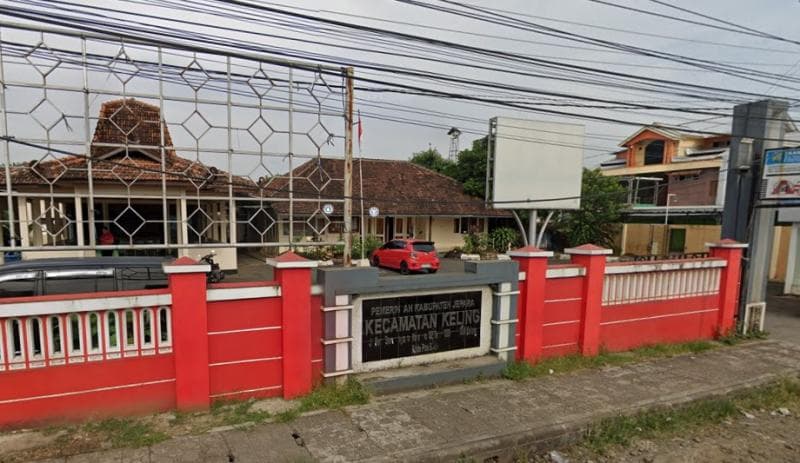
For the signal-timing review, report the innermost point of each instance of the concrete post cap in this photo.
(185, 265)
(588, 250)
(530, 251)
(291, 260)
(727, 244)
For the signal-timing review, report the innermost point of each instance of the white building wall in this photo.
(443, 236)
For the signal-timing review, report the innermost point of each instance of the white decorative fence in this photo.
(653, 281)
(42, 334)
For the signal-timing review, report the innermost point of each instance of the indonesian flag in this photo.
(360, 130)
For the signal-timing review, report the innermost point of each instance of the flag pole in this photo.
(361, 184)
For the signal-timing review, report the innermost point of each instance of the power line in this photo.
(516, 23)
(433, 93)
(360, 64)
(736, 29)
(722, 21)
(644, 34)
(371, 66)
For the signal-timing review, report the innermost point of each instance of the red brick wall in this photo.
(690, 191)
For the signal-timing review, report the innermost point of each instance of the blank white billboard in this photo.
(534, 164)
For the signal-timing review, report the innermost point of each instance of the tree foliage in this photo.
(597, 221)
(433, 160)
(469, 168)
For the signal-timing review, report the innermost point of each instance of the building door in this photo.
(389, 228)
(677, 240)
(378, 225)
(400, 227)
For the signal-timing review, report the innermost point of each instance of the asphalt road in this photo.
(783, 315)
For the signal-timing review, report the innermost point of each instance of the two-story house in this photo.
(676, 185)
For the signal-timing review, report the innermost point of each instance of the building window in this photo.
(464, 225)
(712, 188)
(654, 153)
(686, 177)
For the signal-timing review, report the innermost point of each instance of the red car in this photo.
(407, 256)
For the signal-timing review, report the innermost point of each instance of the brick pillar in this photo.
(593, 258)
(293, 273)
(533, 262)
(730, 278)
(187, 283)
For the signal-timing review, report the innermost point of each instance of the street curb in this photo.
(505, 447)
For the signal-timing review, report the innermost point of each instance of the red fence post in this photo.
(730, 277)
(293, 273)
(593, 258)
(187, 283)
(532, 261)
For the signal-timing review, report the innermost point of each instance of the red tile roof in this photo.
(394, 187)
(126, 122)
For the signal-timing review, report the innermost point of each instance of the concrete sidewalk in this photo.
(480, 421)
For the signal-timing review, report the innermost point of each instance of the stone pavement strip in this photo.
(482, 420)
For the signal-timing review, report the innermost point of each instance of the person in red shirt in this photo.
(106, 238)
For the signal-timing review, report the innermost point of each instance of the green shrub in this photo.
(503, 239)
(315, 252)
(371, 243)
(476, 243)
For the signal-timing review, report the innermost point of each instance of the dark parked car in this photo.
(407, 256)
(80, 275)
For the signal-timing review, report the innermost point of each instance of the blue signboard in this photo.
(782, 174)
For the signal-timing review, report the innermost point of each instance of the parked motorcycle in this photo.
(215, 275)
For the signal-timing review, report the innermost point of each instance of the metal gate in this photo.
(111, 144)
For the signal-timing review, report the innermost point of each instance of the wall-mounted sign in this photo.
(416, 325)
(373, 211)
(782, 174)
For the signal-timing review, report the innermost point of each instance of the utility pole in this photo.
(666, 208)
(348, 170)
(756, 127)
(666, 222)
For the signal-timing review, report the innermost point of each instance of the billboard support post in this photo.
(522, 233)
(532, 219)
(534, 165)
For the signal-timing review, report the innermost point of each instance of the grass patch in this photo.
(524, 370)
(736, 338)
(785, 392)
(328, 396)
(236, 413)
(125, 432)
(622, 430)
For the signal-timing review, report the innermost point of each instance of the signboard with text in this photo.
(415, 325)
(782, 174)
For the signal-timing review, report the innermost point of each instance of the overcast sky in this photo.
(397, 140)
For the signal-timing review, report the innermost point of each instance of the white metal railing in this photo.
(632, 283)
(41, 340)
